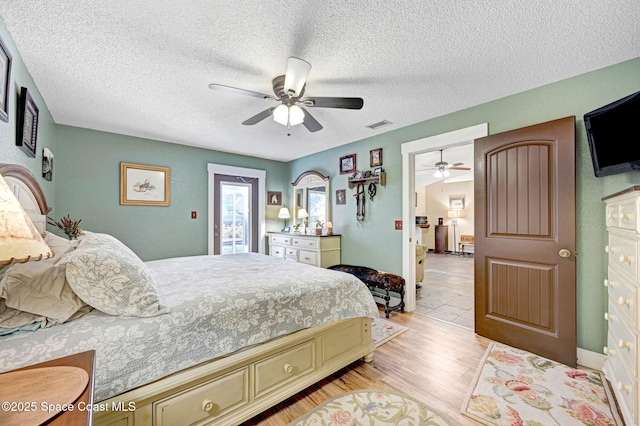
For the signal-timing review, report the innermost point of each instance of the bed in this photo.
(226, 337)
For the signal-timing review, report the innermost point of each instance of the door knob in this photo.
(564, 253)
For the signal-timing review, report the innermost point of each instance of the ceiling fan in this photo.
(442, 167)
(289, 89)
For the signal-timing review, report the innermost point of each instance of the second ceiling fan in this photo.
(289, 89)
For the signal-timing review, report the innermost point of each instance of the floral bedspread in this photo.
(219, 304)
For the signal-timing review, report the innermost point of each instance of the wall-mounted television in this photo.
(613, 132)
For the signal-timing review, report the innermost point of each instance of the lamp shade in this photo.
(283, 213)
(455, 214)
(302, 214)
(288, 115)
(20, 241)
(296, 76)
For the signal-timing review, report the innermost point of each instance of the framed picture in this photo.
(341, 196)
(47, 164)
(375, 157)
(143, 185)
(377, 171)
(456, 203)
(27, 127)
(347, 164)
(274, 198)
(5, 80)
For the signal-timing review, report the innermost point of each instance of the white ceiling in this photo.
(143, 67)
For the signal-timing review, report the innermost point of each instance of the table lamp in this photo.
(284, 214)
(20, 241)
(302, 214)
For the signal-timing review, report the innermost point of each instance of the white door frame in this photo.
(222, 169)
(409, 151)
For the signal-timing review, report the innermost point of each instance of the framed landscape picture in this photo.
(144, 185)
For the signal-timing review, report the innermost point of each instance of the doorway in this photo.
(409, 152)
(236, 219)
(444, 182)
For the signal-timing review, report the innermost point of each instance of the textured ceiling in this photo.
(143, 67)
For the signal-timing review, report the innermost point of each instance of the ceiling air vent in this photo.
(376, 126)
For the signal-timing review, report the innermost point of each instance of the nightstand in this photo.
(81, 414)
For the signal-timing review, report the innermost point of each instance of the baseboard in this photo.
(591, 359)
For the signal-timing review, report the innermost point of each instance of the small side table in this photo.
(77, 417)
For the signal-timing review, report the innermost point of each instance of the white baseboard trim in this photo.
(591, 359)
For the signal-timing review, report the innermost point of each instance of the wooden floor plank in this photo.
(433, 361)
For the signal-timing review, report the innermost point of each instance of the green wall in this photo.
(86, 179)
(376, 243)
(9, 152)
(88, 188)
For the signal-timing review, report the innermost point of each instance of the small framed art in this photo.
(375, 157)
(347, 164)
(144, 185)
(456, 203)
(341, 196)
(274, 198)
(5, 80)
(27, 126)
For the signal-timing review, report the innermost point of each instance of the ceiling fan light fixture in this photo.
(288, 115)
(296, 76)
(442, 172)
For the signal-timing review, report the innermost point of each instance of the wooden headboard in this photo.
(27, 190)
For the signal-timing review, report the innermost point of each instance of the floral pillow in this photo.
(107, 275)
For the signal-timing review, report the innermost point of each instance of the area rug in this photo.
(382, 330)
(516, 387)
(370, 407)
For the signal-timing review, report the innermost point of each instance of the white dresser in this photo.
(318, 250)
(622, 363)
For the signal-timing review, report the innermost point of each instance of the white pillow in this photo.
(107, 275)
(40, 288)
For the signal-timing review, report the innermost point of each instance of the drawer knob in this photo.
(607, 351)
(608, 316)
(623, 301)
(608, 249)
(608, 283)
(288, 368)
(625, 259)
(625, 216)
(623, 387)
(624, 345)
(207, 405)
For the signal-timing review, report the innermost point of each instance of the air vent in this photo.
(376, 126)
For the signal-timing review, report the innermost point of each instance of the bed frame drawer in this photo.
(204, 403)
(284, 367)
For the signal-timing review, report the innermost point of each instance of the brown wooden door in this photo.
(525, 291)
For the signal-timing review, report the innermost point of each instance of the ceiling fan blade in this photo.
(346, 103)
(459, 168)
(296, 75)
(229, 89)
(311, 123)
(258, 117)
(457, 164)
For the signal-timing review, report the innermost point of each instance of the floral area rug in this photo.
(371, 407)
(515, 387)
(382, 330)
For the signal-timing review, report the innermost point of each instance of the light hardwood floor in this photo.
(433, 361)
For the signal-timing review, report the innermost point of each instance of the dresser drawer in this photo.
(306, 243)
(283, 240)
(623, 295)
(622, 339)
(204, 403)
(277, 251)
(624, 385)
(308, 257)
(282, 368)
(623, 255)
(613, 215)
(628, 214)
(291, 253)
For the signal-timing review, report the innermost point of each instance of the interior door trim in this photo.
(212, 170)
